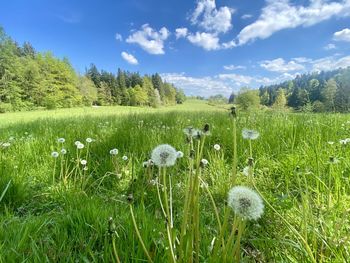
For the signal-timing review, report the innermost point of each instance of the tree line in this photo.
(31, 79)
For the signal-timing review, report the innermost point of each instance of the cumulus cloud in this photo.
(342, 35)
(118, 37)
(280, 65)
(150, 40)
(233, 67)
(330, 63)
(281, 14)
(129, 58)
(181, 32)
(210, 18)
(207, 41)
(329, 46)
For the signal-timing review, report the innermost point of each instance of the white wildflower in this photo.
(125, 158)
(113, 151)
(83, 162)
(63, 151)
(61, 140)
(180, 154)
(217, 147)
(204, 162)
(77, 142)
(80, 146)
(164, 155)
(245, 202)
(55, 154)
(250, 134)
(89, 140)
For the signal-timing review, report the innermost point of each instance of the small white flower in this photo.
(113, 151)
(217, 147)
(204, 162)
(343, 142)
(63, 151)
(6, 144)
(77, 142)
(83, 162)
(80, 146)
(55, 154)
(85, 168)
(180, 154)
(89, 140)
(125, 158)
(61, 140)
(164, 155)
(245, 202)
(250, 134)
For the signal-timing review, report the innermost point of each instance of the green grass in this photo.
(42, 221)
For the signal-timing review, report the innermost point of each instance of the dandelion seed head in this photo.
(245, 202)
(77, 142)
(63, 151)
(217, 147)
(83, 162)
(204, 162)
(250, 134)
(89, 140)
(85, 168)
(180, 154)
(113, 151)
(125, 158)
(80, 146)
(61, 140)
(55, 154)
(164, 155)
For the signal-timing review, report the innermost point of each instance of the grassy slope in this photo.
(41, 221)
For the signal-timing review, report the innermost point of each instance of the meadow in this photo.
(103, 200)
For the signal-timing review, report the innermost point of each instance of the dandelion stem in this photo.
(115, 253)
(138, 234)
(234, 159)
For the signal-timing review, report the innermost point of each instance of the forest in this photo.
(317, 91)
(31, 79)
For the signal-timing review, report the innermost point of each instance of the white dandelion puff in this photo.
(343, 142)
(77, 142)
(245, 202)
(180, 154)
(125, 158)
(55, 154)
(164, 155)
(204, 162)
(250, 134)
(63, 151)
(217, 147)
(61, 140)
(113, 151)
(80, 146)
(83, 162)
(85, 168)
(89, 140)
(6, 144)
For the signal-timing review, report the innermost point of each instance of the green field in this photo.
(54, 210)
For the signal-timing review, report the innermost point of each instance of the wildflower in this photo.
(217, 147)
(113, 151)
(85, 168)
(164, 155)
(89, 140)
(180, 154)
(80, 146)
(245, 202)
(77, 142)
(55, 154)
(343, 142)
(63, 151)
(125, 158)
(250, 134)
(61, 140)
(204, 162)
(83, 162)
(6, 144)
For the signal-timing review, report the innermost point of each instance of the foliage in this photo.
(247, 99)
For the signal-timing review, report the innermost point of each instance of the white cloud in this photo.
(118, 37)
(246, 16)
(211, 19)
(343, 35)
(207, 41)
(280, 65)
(233, 67)
(281, 14)
(181, 32)
(129, 58)
(237, 79)
(329, 46)
(150, 40)
(330, 63)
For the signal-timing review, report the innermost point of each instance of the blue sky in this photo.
(203, 46)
